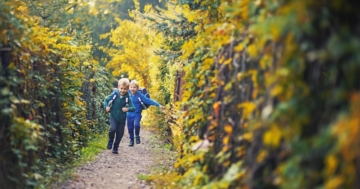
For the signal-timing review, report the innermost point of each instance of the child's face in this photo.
(133, 89)
(123, 89)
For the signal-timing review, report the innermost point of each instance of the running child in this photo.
(133, 118)
(118, 104)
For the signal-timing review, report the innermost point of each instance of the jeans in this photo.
(116, 128)
(133, 122)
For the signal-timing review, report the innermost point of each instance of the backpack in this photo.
(114, 97)
(146, 94)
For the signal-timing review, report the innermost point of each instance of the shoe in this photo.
(115, 151)
(137, 138)
(131, 143)
(109, 145)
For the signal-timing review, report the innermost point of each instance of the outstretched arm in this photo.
(147, 100)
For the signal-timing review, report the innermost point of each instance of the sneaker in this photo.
(115, 151)
(109, 145)
(137, 138)
(131, 143)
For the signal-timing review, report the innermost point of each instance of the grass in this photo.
(163, 155)
(88, 153)
(143, 177)
(94, 147)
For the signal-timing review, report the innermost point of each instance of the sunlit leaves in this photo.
(49, 68)
(285, 72)
(272, 136)
(133, 53)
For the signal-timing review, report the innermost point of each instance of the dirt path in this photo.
(120, 171)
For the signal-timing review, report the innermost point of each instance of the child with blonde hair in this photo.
(134, 118)
(118, 104)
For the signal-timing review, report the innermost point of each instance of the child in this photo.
(118, 108)
(133, 118)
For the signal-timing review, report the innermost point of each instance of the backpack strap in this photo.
(141, 102)
(126, 102)
(112, 100)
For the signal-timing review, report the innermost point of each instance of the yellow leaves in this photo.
(228, 61)
(228, 86)
(334, 182)
(252, 50)
(228, 128)
(22, 8)
(276, 90)
(147, 8)
(190, 15)
(86, 63)
(272, 136)
(265, 61)
(137, 51)
(347, 130)
(188, 48)
(207, 63)
(275, 31)
(261, 155)
(240, 76)
(248, 136)
(244, 4)
(239, 47)
(331, 163)
(216, 107)
(254, 75)
(247, 108)
(226, 140)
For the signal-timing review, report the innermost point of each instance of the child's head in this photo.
(134, 86)
(123, 86)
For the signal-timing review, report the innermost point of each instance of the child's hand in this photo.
(107, 109)
(124, 109)
(162, 107)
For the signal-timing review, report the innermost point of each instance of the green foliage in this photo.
(143, 177)
(51, 90)
(270, 92)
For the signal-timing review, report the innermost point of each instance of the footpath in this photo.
(123, 170)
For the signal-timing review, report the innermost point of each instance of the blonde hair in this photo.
(124, 82)
(134, 82)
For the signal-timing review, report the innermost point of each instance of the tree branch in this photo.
(37, 10)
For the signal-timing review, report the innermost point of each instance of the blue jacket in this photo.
(137, 104)
(116, 109)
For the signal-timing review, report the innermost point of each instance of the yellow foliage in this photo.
(253, 52)
(261, 155)
(334, 182)
(226, 140)
(272, 136)
(331, 163)
(247, 107)
(228, 128)
(347, 130)
(248, 136)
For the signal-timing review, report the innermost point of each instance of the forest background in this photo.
(259, 94)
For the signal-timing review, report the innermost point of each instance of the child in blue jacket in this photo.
(133, 118)
(120, 104)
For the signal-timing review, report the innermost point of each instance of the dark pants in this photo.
(133, 123)
(116, 128)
